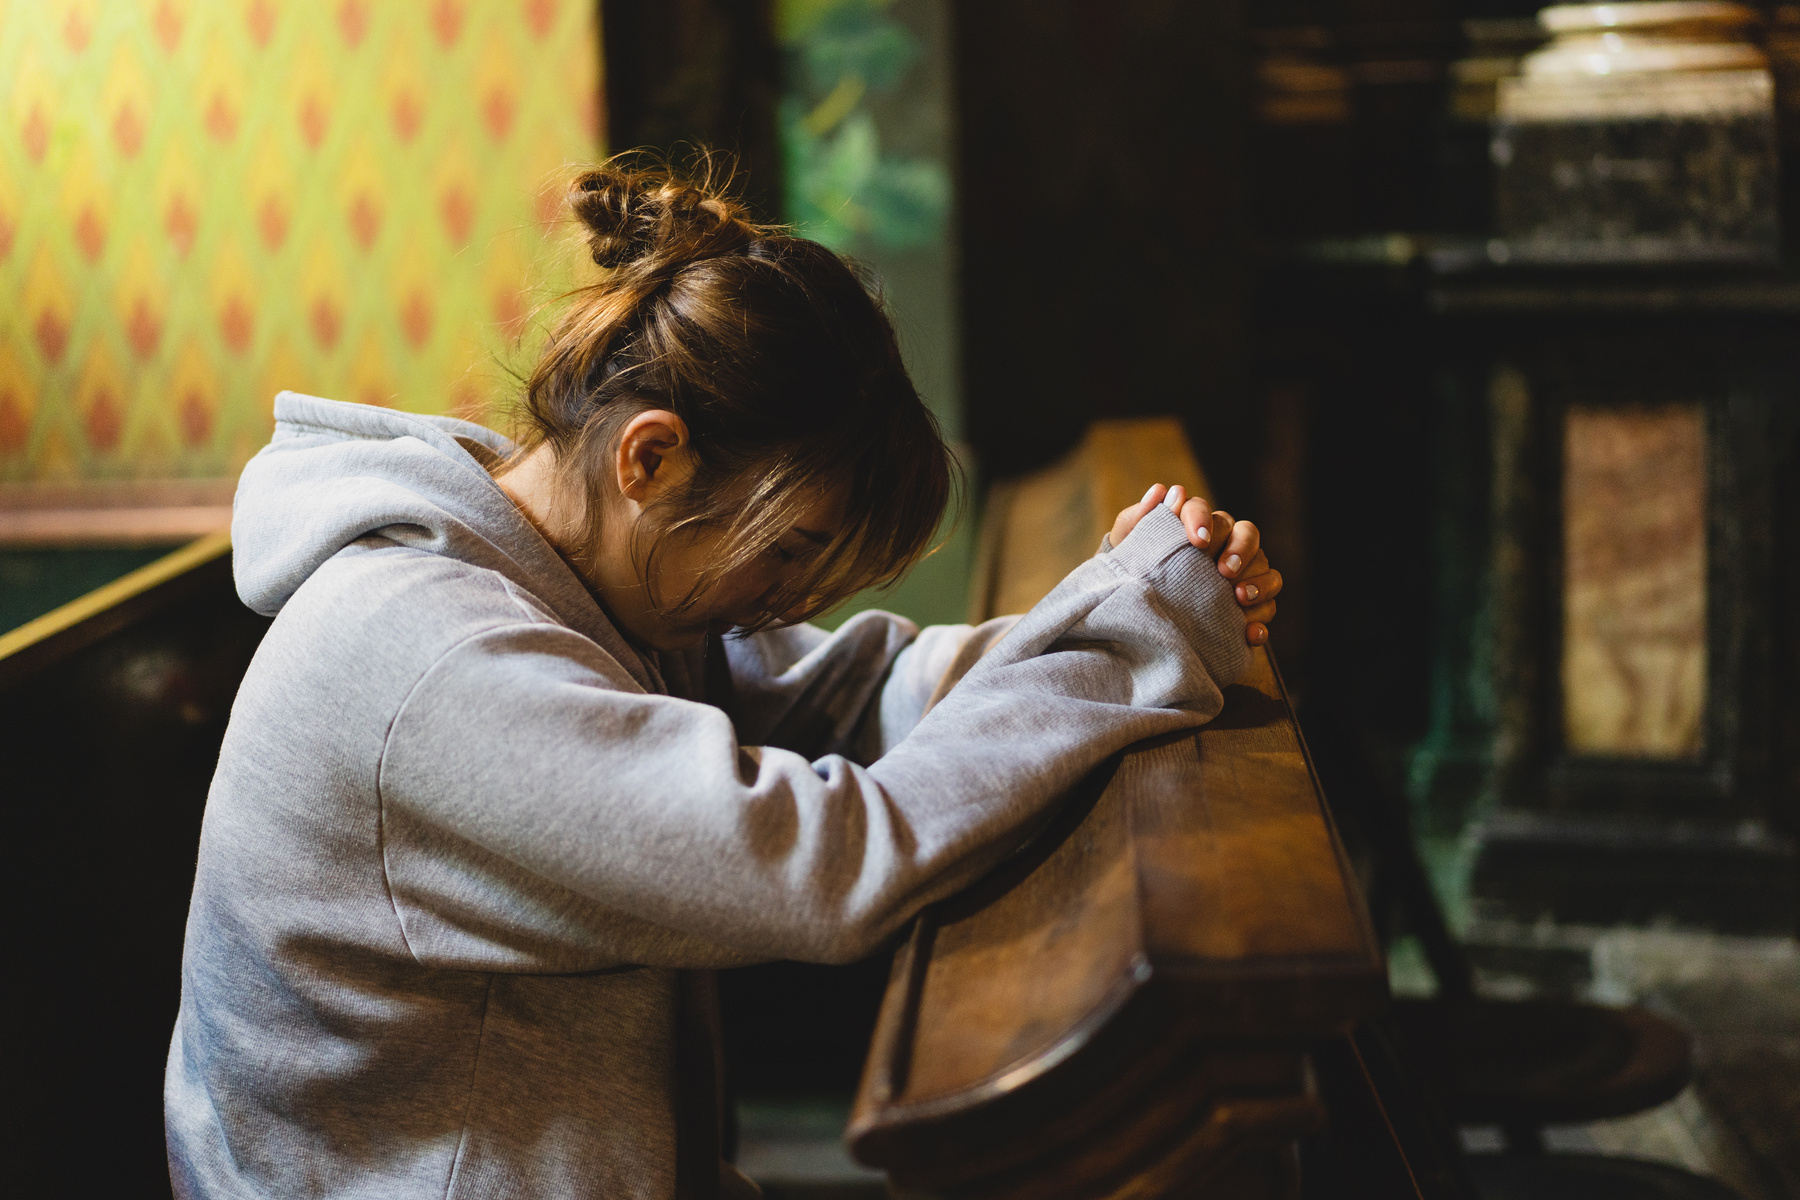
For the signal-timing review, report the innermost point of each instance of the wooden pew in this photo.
(1125, 1008)
(112, 709)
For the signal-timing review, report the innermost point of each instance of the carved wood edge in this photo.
(88, 619)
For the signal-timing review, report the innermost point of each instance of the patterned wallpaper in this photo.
(205, 201)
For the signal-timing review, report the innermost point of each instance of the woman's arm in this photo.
(859, 691)
(527, 804)
(855, 692)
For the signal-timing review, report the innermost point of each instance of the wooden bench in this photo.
(112, 709)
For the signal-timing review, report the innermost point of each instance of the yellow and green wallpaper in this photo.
(205, 201)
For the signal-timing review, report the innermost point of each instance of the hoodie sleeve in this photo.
(529, 808)
(855, 692)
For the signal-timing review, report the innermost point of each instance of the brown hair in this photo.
(774, 352)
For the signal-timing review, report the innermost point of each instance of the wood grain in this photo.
(1130, 999)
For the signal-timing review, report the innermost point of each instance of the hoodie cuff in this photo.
(1158, 534)
(1204, 602)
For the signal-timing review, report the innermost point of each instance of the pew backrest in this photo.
(1128, 1002)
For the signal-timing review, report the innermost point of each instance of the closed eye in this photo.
(816, 541)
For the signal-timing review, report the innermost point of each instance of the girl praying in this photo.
(540, 734)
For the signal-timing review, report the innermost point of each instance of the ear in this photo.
(653, 455)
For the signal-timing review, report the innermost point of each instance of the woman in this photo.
(494, 785)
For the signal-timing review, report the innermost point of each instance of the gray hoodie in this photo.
(464, 837)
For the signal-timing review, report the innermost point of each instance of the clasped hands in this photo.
(1235, 545)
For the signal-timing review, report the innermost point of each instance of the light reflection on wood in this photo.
(1043, 525)
(1634, 582)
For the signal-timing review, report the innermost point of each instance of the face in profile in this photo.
(741, 597)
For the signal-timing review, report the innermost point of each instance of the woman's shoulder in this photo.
(376, 601)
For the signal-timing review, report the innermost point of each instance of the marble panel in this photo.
(1634, 582)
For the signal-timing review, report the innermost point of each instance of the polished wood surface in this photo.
(1124, 1008)
(1038, 527)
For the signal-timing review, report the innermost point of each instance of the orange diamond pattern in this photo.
(203, 201)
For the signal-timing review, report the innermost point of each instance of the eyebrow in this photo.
(814, 536)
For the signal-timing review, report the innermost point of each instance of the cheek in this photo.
(675, 569)
(738, 593)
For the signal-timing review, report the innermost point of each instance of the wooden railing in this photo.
(1126, 1008)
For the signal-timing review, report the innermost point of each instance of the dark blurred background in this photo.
(1280, 224)
(1538, 516)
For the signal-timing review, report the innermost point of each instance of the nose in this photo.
(765, 603)
(793, 615)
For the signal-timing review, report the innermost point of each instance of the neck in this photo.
(534, 484)
(558, 511)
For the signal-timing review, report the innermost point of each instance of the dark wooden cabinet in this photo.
(111, 714)
(1629, 640)
(1576, 637)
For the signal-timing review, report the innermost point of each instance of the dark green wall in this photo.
(32, 582)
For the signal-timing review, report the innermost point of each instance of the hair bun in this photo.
(651, 217)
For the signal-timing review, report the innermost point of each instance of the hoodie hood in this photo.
(337, 472)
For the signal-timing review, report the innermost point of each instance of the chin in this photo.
(680, 639)
(688, 637)
(685, 637)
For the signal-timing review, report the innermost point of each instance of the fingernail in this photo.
(1149, 495)
(1259, 636)
(1250, 592)
(1169, 503)
(1232, 563)
(1205, 535)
